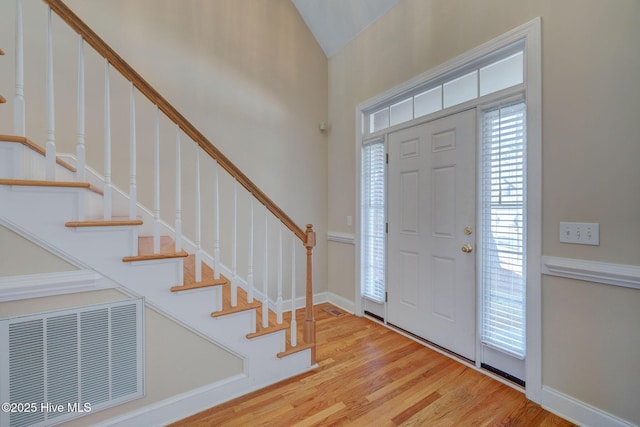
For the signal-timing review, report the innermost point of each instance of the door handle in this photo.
(467, 248)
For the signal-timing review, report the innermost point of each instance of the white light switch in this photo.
(581, 233)
(349, 221)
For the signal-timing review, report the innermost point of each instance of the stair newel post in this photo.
(294, 325)
(265, 283)
(80, 148)
(51, 139)
(133, 196)
(280, 261)
(178, 226)
(309, 320)
(198, 256)
(216, 240)
(108, 186)
(19, 127)
(156, 185)
(234, 283)
(250, 266)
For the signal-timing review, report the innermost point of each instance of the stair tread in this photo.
(42, 183)
(190, 276)
(35, 147)
(242, 303)
(145, 250)
(114, 222)
(3, 100)
(274, 326)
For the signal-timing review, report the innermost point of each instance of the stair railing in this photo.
(183, 127)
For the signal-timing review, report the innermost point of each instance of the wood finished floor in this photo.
(369, 375)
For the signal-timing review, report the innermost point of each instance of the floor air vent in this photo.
(333, 311)
(60, 365)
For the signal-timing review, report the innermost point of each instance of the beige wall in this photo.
(249, 75)
(591, 342)
(19, 256)
(176, 360)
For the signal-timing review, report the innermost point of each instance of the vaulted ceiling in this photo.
(335, 22)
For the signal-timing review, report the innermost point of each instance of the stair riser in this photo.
(20, 162)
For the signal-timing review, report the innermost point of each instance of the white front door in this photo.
(431, 281)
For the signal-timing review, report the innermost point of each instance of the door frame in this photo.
(530, 33)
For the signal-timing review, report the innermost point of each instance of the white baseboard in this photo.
(183, 405)
(334, 299)
(577, 411)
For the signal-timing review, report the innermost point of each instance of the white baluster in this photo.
(234, 283)
(19, 127)
(265, 285)
(108, 187)
(51, 139)
(198, 256)
(294, 330)
(178, 236)
(133, 196)
(156, 186)
(250, 266)
(216, 241)
(280, 261)
(80, 148)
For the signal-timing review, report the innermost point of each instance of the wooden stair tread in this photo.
(114, 222)
(292, 350)
(41, 183)
(3, 100)
(145, 250)
(35, 147)
(190, 276)
(274, 326)
(243, 304)
(1, 52)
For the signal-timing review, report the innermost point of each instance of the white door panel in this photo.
(431, 199)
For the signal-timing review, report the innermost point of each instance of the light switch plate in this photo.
(581, 233)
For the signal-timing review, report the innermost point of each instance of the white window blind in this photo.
(373, 224)
(502, 213)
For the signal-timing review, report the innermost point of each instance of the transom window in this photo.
(501, 70)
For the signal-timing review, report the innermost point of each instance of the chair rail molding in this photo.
(335, 236)
(624, 275)
(47, 284)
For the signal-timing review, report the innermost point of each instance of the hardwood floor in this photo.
(369, 375)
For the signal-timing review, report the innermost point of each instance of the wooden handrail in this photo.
(103, 49)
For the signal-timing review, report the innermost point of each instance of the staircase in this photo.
(60, 202)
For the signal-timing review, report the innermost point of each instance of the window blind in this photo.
(373, 224)
(503, 218)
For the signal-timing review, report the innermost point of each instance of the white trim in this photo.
(578, 412)
(335, 236)
(183, 405)
(531, 33)
(47, 284)
(606, 273)
(334, 299)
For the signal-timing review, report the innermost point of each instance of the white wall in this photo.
(591, 339)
